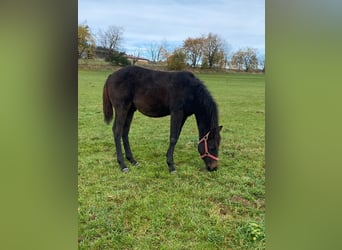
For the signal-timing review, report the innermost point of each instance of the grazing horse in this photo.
(157, 94)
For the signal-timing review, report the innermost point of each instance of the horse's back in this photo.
(154, 93)
(147, 77)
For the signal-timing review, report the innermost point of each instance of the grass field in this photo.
(194, 209)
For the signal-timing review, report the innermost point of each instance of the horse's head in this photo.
(208, 147)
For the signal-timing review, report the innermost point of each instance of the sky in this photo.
(241, 23)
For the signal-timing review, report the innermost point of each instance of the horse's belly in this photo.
(154, 111)
(154, 103)
(152, 107)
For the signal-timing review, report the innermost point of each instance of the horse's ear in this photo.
(216, 130)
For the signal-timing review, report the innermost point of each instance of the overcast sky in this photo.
(241, 23)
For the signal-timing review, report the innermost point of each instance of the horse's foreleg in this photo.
(177, 122)
(125, 139)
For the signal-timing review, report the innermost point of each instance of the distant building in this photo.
(103, 53)
(137, 60)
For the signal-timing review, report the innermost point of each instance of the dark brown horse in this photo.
(157, 94)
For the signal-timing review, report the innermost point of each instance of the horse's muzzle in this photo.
(212, 169)
(213, 166)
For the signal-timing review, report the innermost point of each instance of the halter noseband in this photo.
(206, 151)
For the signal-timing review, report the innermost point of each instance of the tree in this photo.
(193, 48)
(261, 61)
(153, 50)
(163, 52)
(119, 59)
(245, 59)
(158, 51)
(86, 42)
(176, 61)
(237, 59)
(250, 60)
(135, 56)
(111, 39)
(221, 59)
(214, 51)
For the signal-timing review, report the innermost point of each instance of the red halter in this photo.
(206, 151)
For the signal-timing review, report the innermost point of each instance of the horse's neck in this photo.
(203, 119)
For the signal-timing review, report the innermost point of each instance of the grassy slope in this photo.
(151, 209)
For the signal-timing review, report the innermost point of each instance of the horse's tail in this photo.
(107, 105)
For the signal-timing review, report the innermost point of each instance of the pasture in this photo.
(194, 209)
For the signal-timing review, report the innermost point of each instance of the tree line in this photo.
(208, 51)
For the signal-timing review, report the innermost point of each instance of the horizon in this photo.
(240, 23)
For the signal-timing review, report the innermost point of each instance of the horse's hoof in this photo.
(125, 170)
(173, 172)
(132, 161)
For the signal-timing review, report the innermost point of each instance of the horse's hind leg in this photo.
(125, 139)
(118, 126)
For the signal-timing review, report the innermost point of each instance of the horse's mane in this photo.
(206, 101)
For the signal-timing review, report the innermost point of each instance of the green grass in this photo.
(194, 209)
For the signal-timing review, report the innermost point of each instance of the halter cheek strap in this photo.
(206, 151)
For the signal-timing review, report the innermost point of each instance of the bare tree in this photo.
(237, 59)
(251, 60)
(136, 56)
(245, 59)
(158, 51)
(111, 38)
(164, 51)
(153, 50)
(261, 61)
